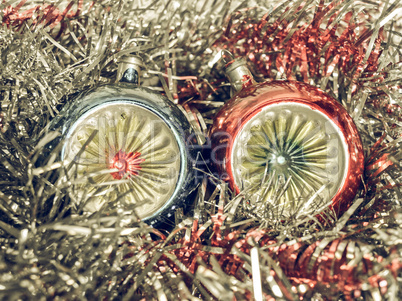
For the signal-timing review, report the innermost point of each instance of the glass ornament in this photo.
(128, 144)
(287, 144)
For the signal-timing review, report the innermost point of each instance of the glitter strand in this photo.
(50, 250)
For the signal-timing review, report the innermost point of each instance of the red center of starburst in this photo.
(126, 163)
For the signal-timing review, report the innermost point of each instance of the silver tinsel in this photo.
(226, 248)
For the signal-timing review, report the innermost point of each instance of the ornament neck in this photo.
(237, 72)
(129, 69)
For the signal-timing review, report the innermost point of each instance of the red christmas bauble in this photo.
(288, 144)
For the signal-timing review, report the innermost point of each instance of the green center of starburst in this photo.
(286, 155)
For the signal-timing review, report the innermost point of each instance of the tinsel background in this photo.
(224, 248)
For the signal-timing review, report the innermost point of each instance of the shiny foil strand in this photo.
(50, 250)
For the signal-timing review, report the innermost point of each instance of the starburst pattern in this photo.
(294, 158)
(124, 152)
(126, 164)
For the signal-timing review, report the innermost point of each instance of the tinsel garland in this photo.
(225, 248)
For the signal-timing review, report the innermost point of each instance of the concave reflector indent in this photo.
(132, 152)
(292, 146)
